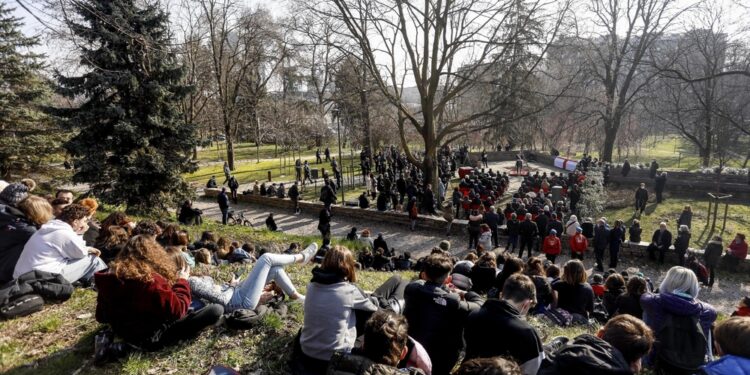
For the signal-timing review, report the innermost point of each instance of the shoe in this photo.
(102, 342)
(309, 253)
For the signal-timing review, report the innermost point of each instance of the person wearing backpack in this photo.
(682, 323)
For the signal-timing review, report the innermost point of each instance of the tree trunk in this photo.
(230, 144)
(610, 135)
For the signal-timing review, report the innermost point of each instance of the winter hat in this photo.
(579, 229)
(552, 231)
(445, 245)
(461, 281)
(463, 268)
(14, 193)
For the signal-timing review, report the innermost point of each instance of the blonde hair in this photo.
(37, 210)
(680, 280)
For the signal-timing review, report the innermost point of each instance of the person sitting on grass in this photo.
(436, 313)
(57, 247)
(630, 301)
(574, 294)
(145, 300)
(271, 223)
(744, 308)
(385, 345)
(17, 225)
(505, 318)
(254, 289)
(731, 337)
(617, 348)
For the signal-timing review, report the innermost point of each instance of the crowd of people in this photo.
(154, 289)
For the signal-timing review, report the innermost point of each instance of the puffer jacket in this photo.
(657, 306)
(15, 231)
(728, 365)
(355, 364)
(587, 354)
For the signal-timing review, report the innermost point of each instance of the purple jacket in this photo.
(656, 306)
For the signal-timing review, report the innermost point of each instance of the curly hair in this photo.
(140, 259)
(489, 366)
(73, 212)
(89, 203)
(114, 219)
(113, 236)
(148, 228)
(385, 337)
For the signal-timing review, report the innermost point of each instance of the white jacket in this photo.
(50, 248)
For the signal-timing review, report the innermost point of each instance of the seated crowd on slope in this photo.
(152, 291)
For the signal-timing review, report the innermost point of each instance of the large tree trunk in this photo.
(230, 144)
(610, 135)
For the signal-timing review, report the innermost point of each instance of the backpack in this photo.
(21, 306)
(559, 317)
(681, 345)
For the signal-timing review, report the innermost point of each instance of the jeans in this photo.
(269, 267)
(184, 328)
(711, 275)
(82, 269)
(224, 216)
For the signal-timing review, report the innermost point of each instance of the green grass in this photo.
(738, 218)
(248, 151)
(671, 152)
(250, 171)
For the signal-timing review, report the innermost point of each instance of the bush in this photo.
(593, 195)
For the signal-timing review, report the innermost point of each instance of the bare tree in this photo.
(623, 32)
(445, 47)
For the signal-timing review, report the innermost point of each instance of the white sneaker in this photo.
(309, 253)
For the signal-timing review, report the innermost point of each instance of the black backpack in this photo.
(21, 306)
(681, 345)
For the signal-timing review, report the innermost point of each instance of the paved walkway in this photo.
(399, 237)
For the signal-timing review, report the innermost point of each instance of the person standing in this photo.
(306, 169)
(711, 258)
(328, 154)
(336, 172)
(294, 196)
(625, 168)
(227, 173)
(616, 238)
(318, 160)
(475, 221)
(653, 168)
(681, 244)
(413, 211)
(660, 241)
(519, 165)
(552, 246)
(686, 217)
(641, 198)
(324, 224)
(298, 169)
(223, 201)
(578, 244)
(448, 216)
(456, 200)
(601, 242)
(484, 159)
(660, 183)
(493, 220)
(528, 232)
(233, 186)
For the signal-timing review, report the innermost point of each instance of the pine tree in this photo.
(27, 138)
(132, 144)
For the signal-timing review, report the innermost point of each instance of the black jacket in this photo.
(587, 354)
(15, 231)
(513, 228)
(641, 196)
(666, 240)
(380, 243)
(436, 320)
(557, 226)
(223, 200)
(493, 220)
(635, 234)
(528, 229)
(497, 329)
(541, 224)
(713, 252)
(51, 287)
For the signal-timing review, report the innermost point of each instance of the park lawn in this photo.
(738, 219)
(250, 171)
(671, 152)
(60, 339)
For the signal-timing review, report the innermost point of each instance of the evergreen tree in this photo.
(132, 144)
(26, 135)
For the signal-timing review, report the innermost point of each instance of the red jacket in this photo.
(739, 250)
(551, 245)
(136, 310)
(742, 311)
(578, 243)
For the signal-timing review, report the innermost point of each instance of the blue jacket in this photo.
(601, 236)
(728, 365)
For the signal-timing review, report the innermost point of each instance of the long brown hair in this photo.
(340, 260)
(116, 218)
(115, 235)
(140, 259)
